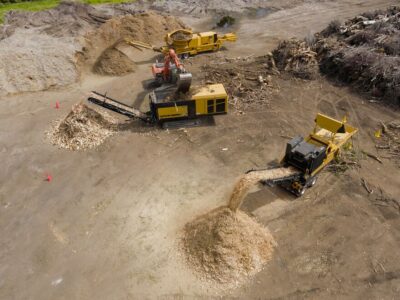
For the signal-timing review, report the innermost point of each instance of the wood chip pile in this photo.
(83, 128)
(227, 247)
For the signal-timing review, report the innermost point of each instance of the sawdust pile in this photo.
(227, 247)
(297, 58)
(83, 128)
(247, 181)
(248, 81)
(113, 62)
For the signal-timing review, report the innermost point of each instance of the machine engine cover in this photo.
(304, 156)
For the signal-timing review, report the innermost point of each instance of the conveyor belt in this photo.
(119, 107)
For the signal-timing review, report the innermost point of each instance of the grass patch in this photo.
(31, 6)
(45, 4)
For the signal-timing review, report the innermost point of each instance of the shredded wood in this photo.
(227, 247)
(83, 128)
(244, 184)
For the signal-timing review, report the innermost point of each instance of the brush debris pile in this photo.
(227, 247)
(390, 140)
(83, 128)
(113, 62)
(248, 82)
(365, 52)
(297, 58)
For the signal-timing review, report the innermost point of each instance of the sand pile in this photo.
(227, 247)
(38, 49)
(30, 61)
(247, 181)
(83, 128)
(113, 62)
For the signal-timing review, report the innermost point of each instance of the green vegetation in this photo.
(36, 5)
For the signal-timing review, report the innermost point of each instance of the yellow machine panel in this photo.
(176, 111)
(211, 99)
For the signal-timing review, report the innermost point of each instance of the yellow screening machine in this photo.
(308, 157)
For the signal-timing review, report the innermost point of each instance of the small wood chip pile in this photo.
(83, 128)
(297, 58)
(227, 247)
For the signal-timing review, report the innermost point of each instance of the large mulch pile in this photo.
(83, 128)
(227, 247)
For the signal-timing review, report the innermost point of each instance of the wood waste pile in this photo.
(297, 58)
(83, 128)
(248, 81)
(364, 52)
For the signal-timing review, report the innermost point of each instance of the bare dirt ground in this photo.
(106, 226)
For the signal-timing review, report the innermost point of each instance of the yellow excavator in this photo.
(309, 156)
(186, 43)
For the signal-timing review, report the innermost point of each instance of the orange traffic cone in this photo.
(49, 177)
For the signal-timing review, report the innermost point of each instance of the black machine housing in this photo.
(304, 156)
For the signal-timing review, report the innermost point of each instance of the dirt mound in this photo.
(149, 27)
(83, 128)
(113, 62)
(249, 180)
(296, 57)
(364, 52)
(227, 247)
(33, 62)
(67, 19)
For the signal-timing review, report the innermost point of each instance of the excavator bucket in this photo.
(184, 80)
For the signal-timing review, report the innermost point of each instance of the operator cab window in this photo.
(210, 106)
(220, 106)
